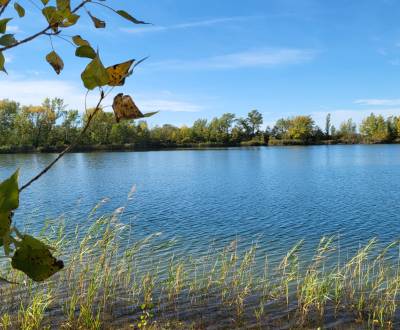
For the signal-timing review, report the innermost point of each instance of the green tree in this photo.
(348, 131)
(375, 129)
(301, 128)
(281, 129)
(200, 131)
(255, 120)
(220, 128)
(8, 114)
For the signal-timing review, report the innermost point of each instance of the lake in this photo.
(275, 196)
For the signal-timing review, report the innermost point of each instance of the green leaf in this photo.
(79, 41)
(45, 2)
(20, 10)
(129, 17)
(55, 61)
(35, 259)
(7, 40)
(3, 24)
(98, 23)
(9, 193)
(95, 74)
(2, 61)
(85, 51)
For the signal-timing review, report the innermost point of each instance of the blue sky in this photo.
(207, 57)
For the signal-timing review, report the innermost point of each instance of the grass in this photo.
(112, 282)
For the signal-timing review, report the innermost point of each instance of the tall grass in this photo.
(113, 282)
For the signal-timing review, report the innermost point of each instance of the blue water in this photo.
(275, 195)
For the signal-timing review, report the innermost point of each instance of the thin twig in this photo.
(69, 148)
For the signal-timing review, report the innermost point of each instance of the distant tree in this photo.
(393, 126)
(348, 131)
(375, 129)
(301, 128)
(8, 114)
(200, 131)
(220, 128)
(99, 131)
(333, 132)
(281, 129)
(242, 130)
(69, 126)
(328, 125)
(255, 120)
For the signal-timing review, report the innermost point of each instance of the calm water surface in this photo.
(275, 196)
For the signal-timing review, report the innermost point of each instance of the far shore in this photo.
(189, 146)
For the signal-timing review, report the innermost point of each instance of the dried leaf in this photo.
(55, 61)
(79, 41)
(19, 9)
(98, 23)
(125, 108)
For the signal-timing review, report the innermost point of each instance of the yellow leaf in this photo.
(119, 72)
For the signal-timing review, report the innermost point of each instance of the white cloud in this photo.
(33, 92)
(13, 29)
(29, 92)
(187, 25)
(265, 58)
(378, 102)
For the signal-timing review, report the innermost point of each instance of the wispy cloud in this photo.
(186, 25)
(378, 102)
(263, 58)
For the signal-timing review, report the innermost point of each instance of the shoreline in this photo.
(171, 147)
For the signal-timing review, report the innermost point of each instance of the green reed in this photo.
(109, 283)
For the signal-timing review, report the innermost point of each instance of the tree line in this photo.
(52, 125)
